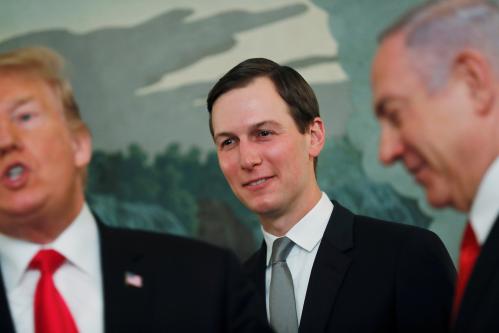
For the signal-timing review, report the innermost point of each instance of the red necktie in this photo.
(51, 312)
(467, 257)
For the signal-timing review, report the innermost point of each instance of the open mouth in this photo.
(15, 176)
(15, 172)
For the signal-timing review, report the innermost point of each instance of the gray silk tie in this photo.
(282, 306)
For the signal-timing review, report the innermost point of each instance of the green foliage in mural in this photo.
(133, 190)
(185, 193)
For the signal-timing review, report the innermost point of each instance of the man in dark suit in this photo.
(436, 95)
(62, 270)
(321, 268)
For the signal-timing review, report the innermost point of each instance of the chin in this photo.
(438, 200)
(20, 209)
(262, 207)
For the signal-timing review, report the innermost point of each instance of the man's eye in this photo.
(24, 117)
(226, 142)
(264, 133)
(394, 118)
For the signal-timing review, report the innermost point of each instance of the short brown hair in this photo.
(290, 85)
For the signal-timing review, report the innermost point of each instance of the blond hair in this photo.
(48, 66)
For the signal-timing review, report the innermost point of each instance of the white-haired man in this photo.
(436, 96)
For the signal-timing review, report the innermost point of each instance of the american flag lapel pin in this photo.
(133, 280)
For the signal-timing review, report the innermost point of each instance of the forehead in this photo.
(19, 84)
(393, 71)
(257, 102)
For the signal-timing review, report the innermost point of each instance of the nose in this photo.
(249, 155)
(391, 147)
(7, 138)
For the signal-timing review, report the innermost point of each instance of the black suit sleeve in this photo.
(425, 285)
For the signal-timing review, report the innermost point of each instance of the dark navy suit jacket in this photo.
(373, 276)
(187, 286)
(479, 311)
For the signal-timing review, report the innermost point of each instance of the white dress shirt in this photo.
(485, 207)
(306, 235)
(79, 279)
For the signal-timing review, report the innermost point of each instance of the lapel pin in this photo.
(133, 280)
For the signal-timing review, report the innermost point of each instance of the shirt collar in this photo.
(308, 232)
(79, 243)
(485, 207)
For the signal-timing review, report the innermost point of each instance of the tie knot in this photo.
(47, 261)
(280, 249)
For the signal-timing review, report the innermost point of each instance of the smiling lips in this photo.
(257, 183)
(416, 171)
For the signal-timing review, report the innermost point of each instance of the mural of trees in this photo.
(185, 193)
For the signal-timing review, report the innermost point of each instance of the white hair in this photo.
(438, 31)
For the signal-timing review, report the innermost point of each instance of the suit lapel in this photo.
(6, 323)
(256, 272)
(484, 273)
(124, 304)
(328, 271)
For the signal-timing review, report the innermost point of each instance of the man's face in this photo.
(40, 158)
(267, 162)
(424, 130)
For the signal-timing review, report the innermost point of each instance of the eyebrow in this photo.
(380, 107)
(265, 123)
(18, 102)
(251, 128)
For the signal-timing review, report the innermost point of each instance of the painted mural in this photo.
(141, 72)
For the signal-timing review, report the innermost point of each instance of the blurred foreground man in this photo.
(64, 271)
(321, 268)
(436, 95)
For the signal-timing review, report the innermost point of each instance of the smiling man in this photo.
(321, 268)
(436, 96)
(63, 270)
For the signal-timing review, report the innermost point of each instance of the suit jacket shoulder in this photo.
(185, 285)
(162, 283)
(371, 275)
(6, 322)
(480, 303)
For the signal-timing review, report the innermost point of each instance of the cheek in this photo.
(54, 150)
(289, 155)
(227, 164)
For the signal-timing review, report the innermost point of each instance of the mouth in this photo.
(15, 172)
(417, 172)
(14, 175)
(257, 182)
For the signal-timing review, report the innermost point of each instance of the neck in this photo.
(279, 223)
(474, 181)
(478, 162)
(43, 226)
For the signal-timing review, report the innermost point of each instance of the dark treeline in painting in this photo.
(185, 193)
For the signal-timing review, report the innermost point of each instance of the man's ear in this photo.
(478, 75)
(82, 145)
(317, 137)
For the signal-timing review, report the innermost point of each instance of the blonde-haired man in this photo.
(62, 270)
